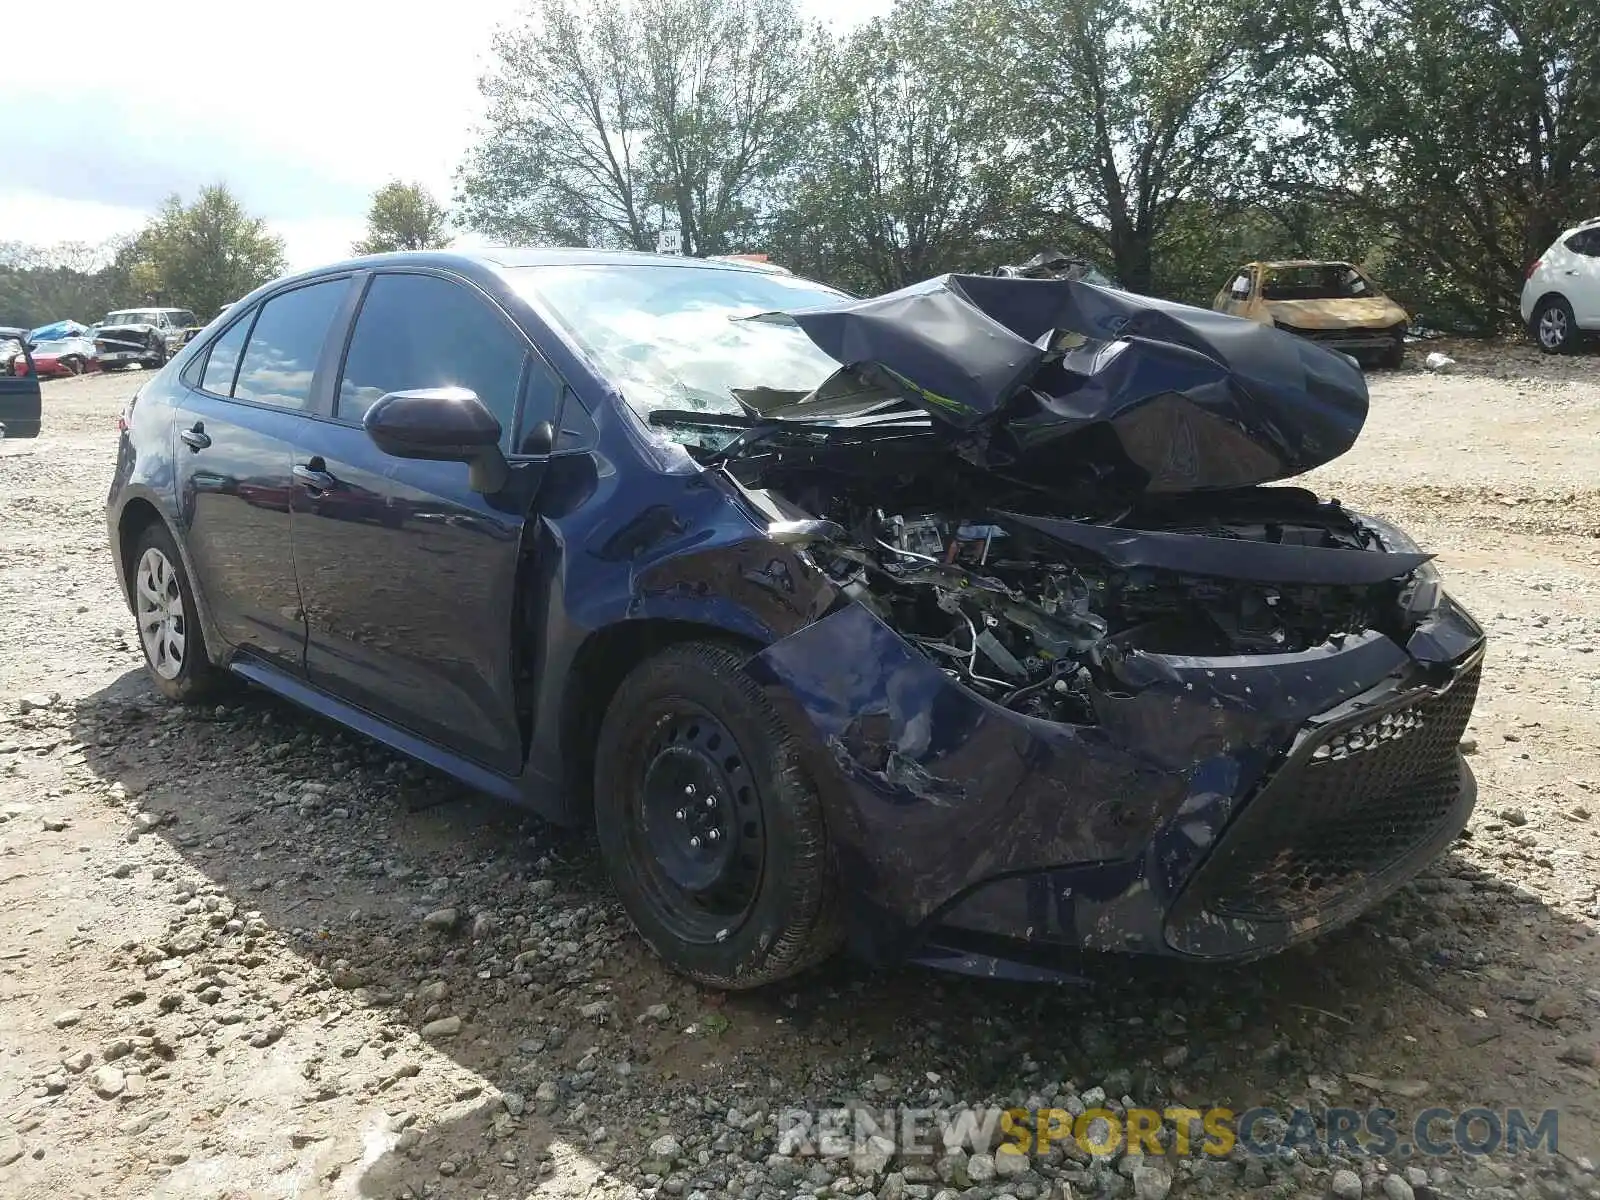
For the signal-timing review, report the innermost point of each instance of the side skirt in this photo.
(308, 696)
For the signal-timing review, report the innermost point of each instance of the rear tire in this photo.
(169, 620)
(1553, 326)
(709, 828)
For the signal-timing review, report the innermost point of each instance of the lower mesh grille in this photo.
(1340, 811)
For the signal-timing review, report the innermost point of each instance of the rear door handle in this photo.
(314, 477)
(196, 438)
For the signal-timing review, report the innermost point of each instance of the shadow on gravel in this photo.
(344, 849)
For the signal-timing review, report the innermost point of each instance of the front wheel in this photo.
(1395, 356)
(709, 828)
(169, 620)
(1554, 326)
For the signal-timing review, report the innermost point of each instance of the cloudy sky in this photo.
(304, 108)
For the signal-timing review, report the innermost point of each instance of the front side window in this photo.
(222, 363)
(281, 357)
(421, 331)
(672, 336)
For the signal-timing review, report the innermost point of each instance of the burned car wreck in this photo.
(1086, 682)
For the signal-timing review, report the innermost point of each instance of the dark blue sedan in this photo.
(954, 624)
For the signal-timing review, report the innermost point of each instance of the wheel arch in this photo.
(138, 513)
(598, 668)
(1544, 299)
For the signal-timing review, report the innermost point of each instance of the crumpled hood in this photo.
(1195, 399)
(1370, 312)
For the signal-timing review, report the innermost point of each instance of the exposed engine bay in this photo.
(1030, 621)
(1046, 486)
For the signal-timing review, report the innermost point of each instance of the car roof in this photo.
(498, 260)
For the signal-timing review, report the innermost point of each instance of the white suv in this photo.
(1561, 298)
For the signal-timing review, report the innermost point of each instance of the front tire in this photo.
(169, 621)
(708, 825)
(1554, 327)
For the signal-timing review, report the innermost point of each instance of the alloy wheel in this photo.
(163, 629)
(1553, 328)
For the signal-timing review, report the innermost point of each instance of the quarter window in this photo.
(223, 361)
(281, 358)
(421, 331)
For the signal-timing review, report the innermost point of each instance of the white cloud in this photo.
(304, 107)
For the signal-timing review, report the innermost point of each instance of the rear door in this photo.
(408, 575)
(1580, 276)
(236, 424)
(21, 404)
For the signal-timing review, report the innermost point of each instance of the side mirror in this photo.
(442, 425)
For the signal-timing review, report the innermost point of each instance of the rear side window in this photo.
(223, 361)
(1586, 243)
(420, 331)
(281, 357)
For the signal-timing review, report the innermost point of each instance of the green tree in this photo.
(404, 216)
(1132, 110)
(906, 170)
(72, 280)
(203, 255)
(1468, 130)
(612, 120)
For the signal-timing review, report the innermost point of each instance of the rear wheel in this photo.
(710, 830)
(1553, 325)
(169, 621)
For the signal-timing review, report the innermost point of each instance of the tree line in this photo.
(1444, 143)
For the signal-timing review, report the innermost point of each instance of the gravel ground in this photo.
(246, 954)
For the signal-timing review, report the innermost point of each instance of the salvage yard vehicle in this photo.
(1561, 296)
(956, 625)
(61, 358)
(1332, 303)
(21, 401)
(147, 336)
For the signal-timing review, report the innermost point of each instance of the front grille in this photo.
(1347, 804)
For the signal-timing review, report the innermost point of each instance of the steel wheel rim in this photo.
(158, 601)
(1553, 327)
(701, 893)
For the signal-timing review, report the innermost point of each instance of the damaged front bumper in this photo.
(1218, 808)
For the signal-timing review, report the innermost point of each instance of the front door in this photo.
(408, 575)
(236, 431)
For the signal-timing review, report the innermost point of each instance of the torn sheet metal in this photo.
(1196, 399)
(1241, 559)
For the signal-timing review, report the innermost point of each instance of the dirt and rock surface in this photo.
(243, 953)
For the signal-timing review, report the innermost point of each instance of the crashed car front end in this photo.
(1087, 681)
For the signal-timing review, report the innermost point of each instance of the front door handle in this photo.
(314, 478)
(196, 438)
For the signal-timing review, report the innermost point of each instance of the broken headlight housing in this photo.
(1422, 591)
